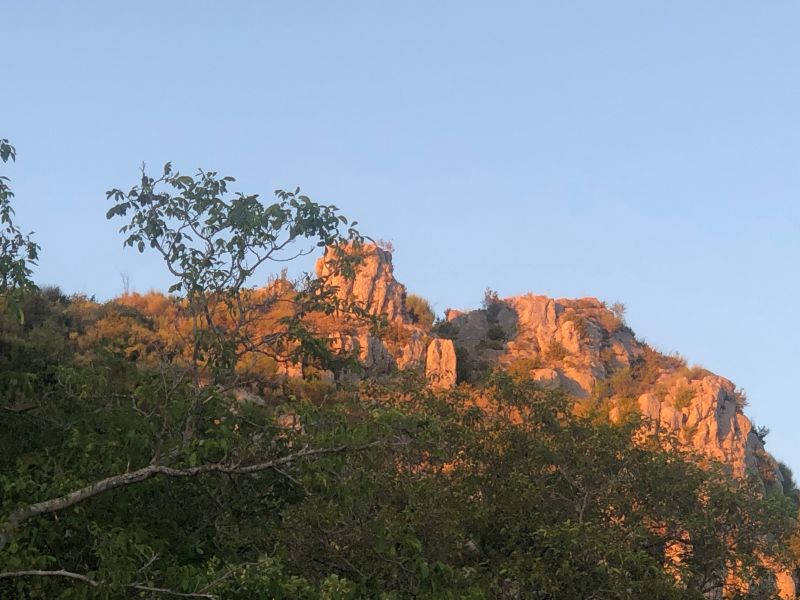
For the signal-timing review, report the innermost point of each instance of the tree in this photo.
(618, 309)
(18, 252)
(213, 243)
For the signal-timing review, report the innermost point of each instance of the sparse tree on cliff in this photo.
(213, 242)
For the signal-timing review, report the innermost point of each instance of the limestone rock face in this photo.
(413, 353)
(707, 414)
(579, 344)
(784, 583)
(440, 364)
(375, 289)
(374, 286)
(372, 353)
(580, 339)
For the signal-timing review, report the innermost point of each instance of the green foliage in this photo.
(640, 377)
(18, 252)
(420, 311)
(789, 484)
(496, 332)
(520, 369)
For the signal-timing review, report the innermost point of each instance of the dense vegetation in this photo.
(135, 461)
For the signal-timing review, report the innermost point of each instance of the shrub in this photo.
(618, 310)
(490, 298)
(761, 433)
(627, 409)
(491, 344)
(446, 330)
(694, 373)
(463, 365)
(520, 368)
(620, 384)
(610, 322)
(740, 397)
(683, 398)
(555, 351)
(420, 311)
(496, 332)
(397, 334)
(789, 485)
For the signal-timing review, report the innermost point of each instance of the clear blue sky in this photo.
(646, 152)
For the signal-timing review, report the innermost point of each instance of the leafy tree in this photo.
(213, 243)
(18, 252)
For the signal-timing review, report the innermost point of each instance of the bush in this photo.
(683, 398)
(740, 397)
(789, 485)
(445, 329)
(520, 369)
(420, 311)
(555, 352)
(496, 332)
(490, 298)
(618, 310)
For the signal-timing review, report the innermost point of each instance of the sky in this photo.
(642, 152)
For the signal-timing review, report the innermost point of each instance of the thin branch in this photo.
(147, 588)
(59, 573)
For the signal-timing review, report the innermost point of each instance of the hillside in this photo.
(353, 446)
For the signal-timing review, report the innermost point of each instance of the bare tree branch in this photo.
(59, 573)
(147, 588)
(16, 518)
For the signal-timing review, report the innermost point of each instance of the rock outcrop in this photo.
(373, 287)
(440, 365)
(583, 347)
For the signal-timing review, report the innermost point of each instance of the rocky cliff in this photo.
(579, 345)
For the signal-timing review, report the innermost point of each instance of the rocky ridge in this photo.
(578, 345)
